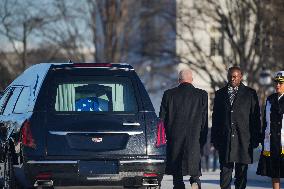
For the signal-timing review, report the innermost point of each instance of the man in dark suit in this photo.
(236, 128)
(184, 110)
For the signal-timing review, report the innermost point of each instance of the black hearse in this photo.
(79, 124)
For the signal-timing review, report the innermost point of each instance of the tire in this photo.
(9, 177)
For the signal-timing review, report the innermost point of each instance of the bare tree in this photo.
(117, 31)
(102, 28)
(114, 25)
(236, 34)
(18, 22)
(66, 31)
(5, 76)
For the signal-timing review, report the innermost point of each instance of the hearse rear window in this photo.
(96, 94)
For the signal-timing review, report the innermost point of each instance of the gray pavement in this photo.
(210, 180)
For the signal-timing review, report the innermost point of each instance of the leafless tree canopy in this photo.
(92, 30)
(143, 32)
(238, 36)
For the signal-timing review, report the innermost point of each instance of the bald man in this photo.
(184, 112)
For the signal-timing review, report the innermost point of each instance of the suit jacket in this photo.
(236, 129)
(184, 110)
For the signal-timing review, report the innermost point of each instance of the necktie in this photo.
(232, 94)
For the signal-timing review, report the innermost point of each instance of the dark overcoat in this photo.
(184, 110)
(273, 166)
(236, 128)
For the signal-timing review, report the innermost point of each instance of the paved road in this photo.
(210, 180)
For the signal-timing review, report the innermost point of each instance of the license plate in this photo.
(90, 168)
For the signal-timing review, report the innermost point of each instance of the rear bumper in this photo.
(68, 173)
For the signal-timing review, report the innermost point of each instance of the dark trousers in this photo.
(240, 175)
(179, 184)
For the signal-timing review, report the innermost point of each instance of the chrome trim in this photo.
(142, 161)
(98, 132)
(146, 111)
(18, 166)
(46, 183)
(121, 162)
(129, 124)
(52, 162)
(1, 170)
(150, 182)
(111, 177)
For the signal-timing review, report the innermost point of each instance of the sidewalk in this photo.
(210, 180)
(253, 176)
